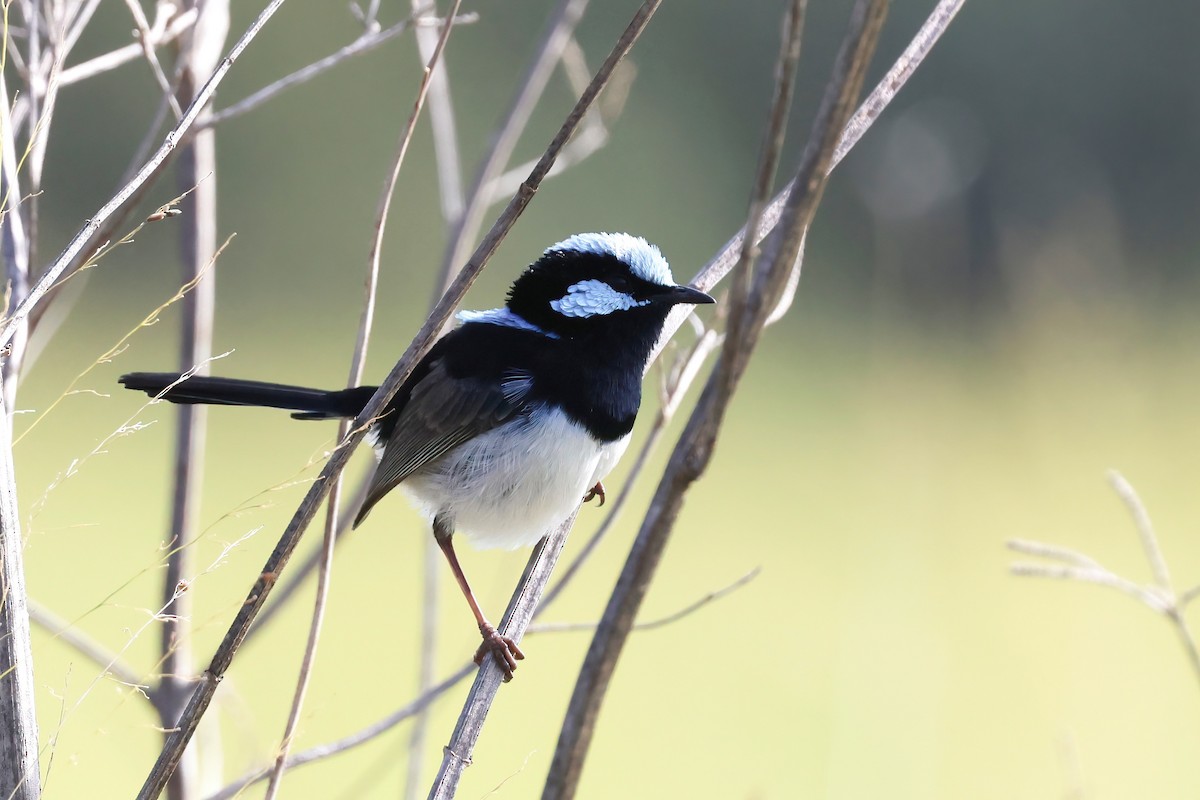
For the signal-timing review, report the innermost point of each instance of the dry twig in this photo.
(75, 248)
(758, 296)
(884, 92)
(356, 369)
(450, 192)
(532, 85)
(19, 775)
(1159, 596)
(198, 57)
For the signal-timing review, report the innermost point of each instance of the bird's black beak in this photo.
(679, 295)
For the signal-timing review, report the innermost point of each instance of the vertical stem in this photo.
(449, 168)
(19, 775)
(314, 632)
(432, 567)
(559, 30)
(1175, 614)
(14, 244)
(441, 118)
(196, 168)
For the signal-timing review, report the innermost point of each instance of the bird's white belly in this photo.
(509, 487)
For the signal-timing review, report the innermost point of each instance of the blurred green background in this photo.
(998, 305)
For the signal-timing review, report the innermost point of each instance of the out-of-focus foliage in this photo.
(997, 306)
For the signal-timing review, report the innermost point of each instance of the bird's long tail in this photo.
(307, 403)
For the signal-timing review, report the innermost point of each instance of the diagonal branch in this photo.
(59, 628)
(160, 32)
(77, 244)
(1159, 596)
(368, 41)
(884, 92)
(561, 26)
(356, 369)
(694, 450)
(661, 622)
(145, 37)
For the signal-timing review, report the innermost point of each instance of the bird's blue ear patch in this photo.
(644, 259)
(593, 298)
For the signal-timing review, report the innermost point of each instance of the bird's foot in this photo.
(594, 492)
(502, 648)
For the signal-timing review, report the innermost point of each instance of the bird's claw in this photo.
(502, 648)
(594, 492)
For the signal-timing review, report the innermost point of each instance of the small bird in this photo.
(512, 417)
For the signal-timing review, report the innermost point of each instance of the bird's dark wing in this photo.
(441, 413)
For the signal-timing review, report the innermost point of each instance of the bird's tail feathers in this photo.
(307, 403)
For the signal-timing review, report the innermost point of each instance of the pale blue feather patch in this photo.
(643, 258)
(593, 298)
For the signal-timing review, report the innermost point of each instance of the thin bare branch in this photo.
(199, 55)
(19, 775)
(357, 363)
(20, 778)
(1100, 577)
(450, 191)
(432, 564)
(355, 739)
(109, 661)
(768, 164)
(592, 136)
(85, 234)
(661, 622)
(385, 198)
(559, 28)
(1159, 596)
(14, 244)
(123, 55)
(1053, 551)
(884, 92)
(694, 450)
(320, 603)
(77, 25)
(1141, 519)
(145, 37)
(370, 39)
(441, 118)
